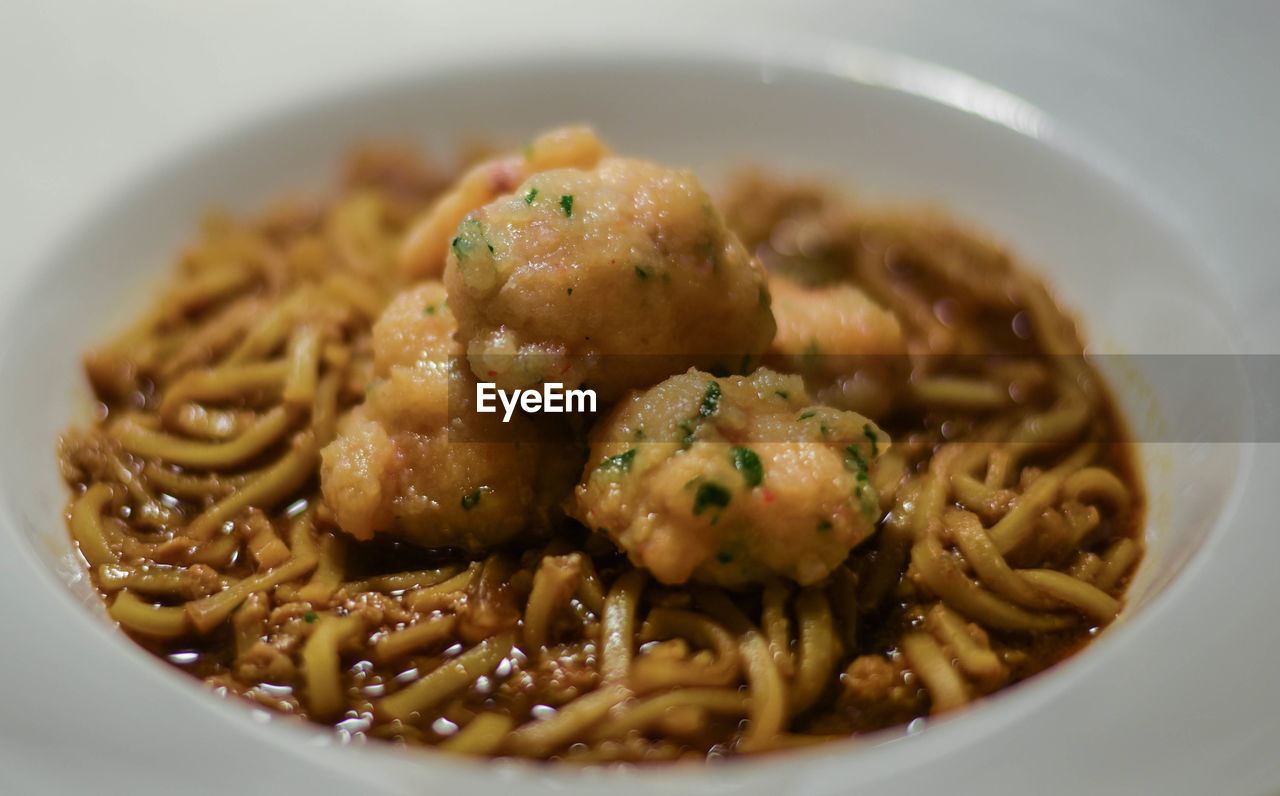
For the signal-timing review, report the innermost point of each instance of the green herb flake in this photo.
(853, 460)
(569, 292)
(640, 272)
(824, 526)
(710, 495)
(724, 556)
(566, 204)
(872, 438)
(430, 309)
(748, 463)
(602, 530)
(469, 501)
(617, 464)
(806, 415)
(710, 400)
(310, 617)
(529, 197)
(783, 394)
(464, 244)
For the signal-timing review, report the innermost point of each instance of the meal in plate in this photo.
(815, 469)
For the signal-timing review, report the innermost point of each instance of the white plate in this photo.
(896, 129)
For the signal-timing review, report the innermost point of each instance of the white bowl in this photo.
(889, 128)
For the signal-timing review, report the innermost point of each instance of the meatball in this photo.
(612, 278)
(731, 480)
(850, 349)
(416, 460)
(423, 251)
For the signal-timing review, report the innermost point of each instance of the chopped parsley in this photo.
(569, 292)
(710, 495)
(529, 197)
(310, 617)
(724, 556)
(463, 245)
(603, 530)
(710, 400)
(872, 438)
(783, 394)
(617, 464)
(824, 526)
(469, 501)
(853, 460)
(642, 273)
(430, 309)
(806, 415)
(748, 463)
(566, 204)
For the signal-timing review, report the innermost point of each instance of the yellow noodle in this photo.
(777, 626)
(646, 713)
(945, 579)
(619, 629)
(947, 689)
(648, 674)
(433, 597)
(324, 411)
(1085, 597)
(212, 338)
(249, 622)
(224, 383)
(974, 395)
(554, 583)
(356, 293)
(267, 488)
(188, 583)
(209, 612)
(1018, 523)
(1117, 561)
(819, 649)
(304, 364)
(196, 420)
(541, 737)
(768, 701)
(191, 487)
(992, 570)
(263, 544)
(975, 660)
(147, 619)
(446, 680)
(329, 570)
(423, 633)
(1085, 567)
(1097, 483)
(86, 525)
(142, 441)
(483, 735)
(590, 590)
(400, 581)
(321, 663)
